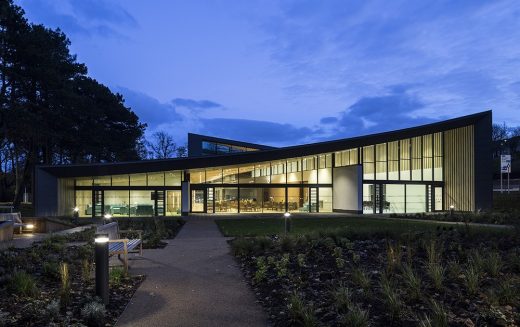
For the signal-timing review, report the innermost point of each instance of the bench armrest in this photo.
(124, 240)
(128, 231)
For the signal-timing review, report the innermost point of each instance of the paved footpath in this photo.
(193, 281)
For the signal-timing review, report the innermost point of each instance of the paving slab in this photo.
(193, 281)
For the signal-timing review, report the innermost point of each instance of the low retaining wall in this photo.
(6, 231)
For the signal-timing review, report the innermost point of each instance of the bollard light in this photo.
(108, 216)
(287, 222)
(452, 208)
(101, 260)
(29, 226)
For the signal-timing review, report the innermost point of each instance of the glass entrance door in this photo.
(210, 200)
(98, 203)
(197, 200)
(313, 199)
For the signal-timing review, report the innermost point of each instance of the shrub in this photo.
(439, 316)
(300, 313)
(261, 271)
(342, 298)
(86, 268)
(242, 246)
(93, 313)
(390, 296)
(472, 279)
(361, 279)
(65, 284)
(22, 284)
(454, 269)
(340, 263)
(493, 263)
(356, 317)
(301, 260)
(412, 281)
(281, 265)
(433, 252)
(393, 256)
(436, 272)
(507, 291)
(51, 270)
(337, 252)
(117, 275)
(287, 243)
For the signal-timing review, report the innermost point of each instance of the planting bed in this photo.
(52, 284)
(450, 276)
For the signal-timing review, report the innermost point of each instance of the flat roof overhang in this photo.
(132, 167)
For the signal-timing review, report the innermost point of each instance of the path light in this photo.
(29, 226)
(108, 216)
(75, 213)
(452, 208)
(287, 218)
(101, 260)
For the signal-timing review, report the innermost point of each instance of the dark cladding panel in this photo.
(483, 164)
(46, 199)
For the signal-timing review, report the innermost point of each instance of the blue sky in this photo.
(289, 72)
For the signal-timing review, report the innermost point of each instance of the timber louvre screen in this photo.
(459, 168)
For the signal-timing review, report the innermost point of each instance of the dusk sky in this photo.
(290, 72)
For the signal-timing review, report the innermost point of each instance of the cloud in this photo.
(374, 114)
(328, 120)
(85, 18)
(256, 131)
(149, 109)
(195, 104)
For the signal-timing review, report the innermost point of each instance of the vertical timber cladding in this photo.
(459, 169)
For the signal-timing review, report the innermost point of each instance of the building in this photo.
(420, 169)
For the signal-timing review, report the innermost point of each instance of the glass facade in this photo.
(402, 175)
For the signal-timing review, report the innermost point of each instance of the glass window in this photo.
(230, 175)
(156, 179)
(338, 158)
(278, 172)
(310, 174)
(437, 144)
(394, 198)
(141, 203)
(173, 178)
(274, 199)
(246, 174)
(404, 149)
(116, 203)
(438, 199)
(294, 174)
(263, 173)
(368, 198)
(173, 203)
(84, 203)
(427, 169)
(325, 176)
(393, 170)
(214, 176)
(197, 176)
(138, 180)
(84, 181)
(353, 156)
(309, 163)
(223, 148)
(393, 150)
(415, 198)
(437, 168)
(250, 199)
(197, 200)
(416, 158)
(102, 181)
(120, 180)
(226, 199)
(325, 199)
(368, 162)
(209, 147)
(297, 200)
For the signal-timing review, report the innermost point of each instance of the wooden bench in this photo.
(121, 246)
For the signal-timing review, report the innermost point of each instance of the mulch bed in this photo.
(46, 307)
(326, 263)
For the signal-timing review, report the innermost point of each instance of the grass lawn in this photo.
(359, 225)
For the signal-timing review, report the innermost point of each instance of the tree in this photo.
(500, 132)
(182, 151)
(162, 146)
(50, 110)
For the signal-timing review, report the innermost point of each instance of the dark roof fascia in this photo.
(101, 169)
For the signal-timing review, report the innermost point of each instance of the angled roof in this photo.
(100, 169)
(195, 143)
